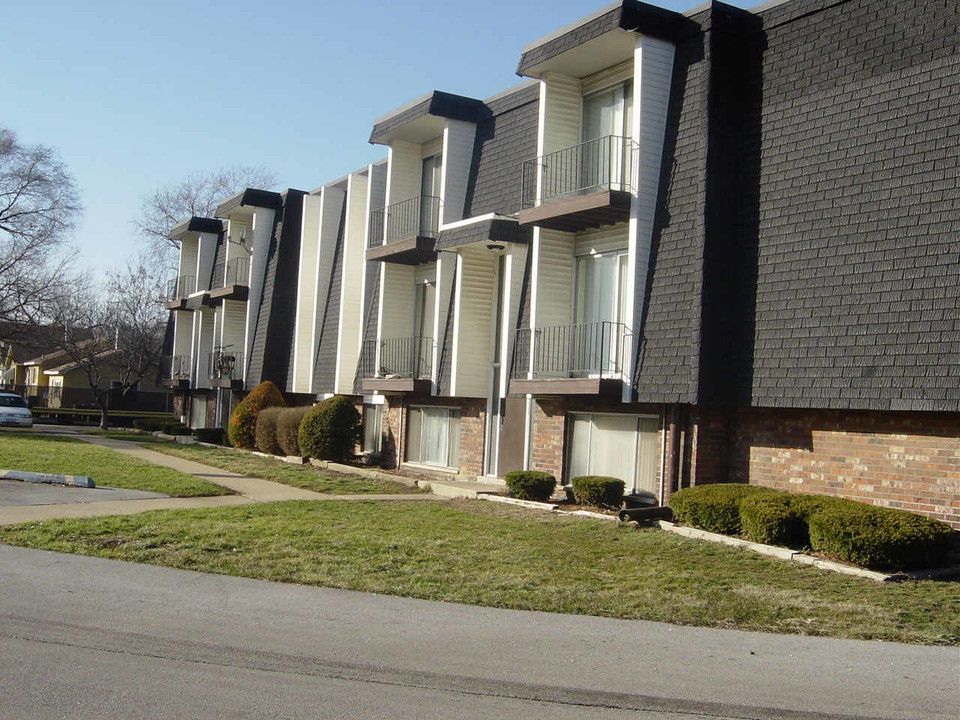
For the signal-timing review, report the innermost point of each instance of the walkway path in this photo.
(249, 490)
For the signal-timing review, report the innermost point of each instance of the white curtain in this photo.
(435, 437)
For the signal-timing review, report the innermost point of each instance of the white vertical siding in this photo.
(396, 301)
(306, 292)
(601, 240)
(203, 346)
(404, 169)
(653, 65)
(446, 274)
(513, 287)
(260, 243)
(472, 324)
(432, 147)
(331, 209)
(351, 285)
(233, 315)
(182, 333)
(206, 252)
(554, 288)
(188, 256)
(458, 141)
(561, 115)
(376, 196)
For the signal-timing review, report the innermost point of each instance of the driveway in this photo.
(93, 638)
(15, 493)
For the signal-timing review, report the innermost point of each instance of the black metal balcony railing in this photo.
(225, 365)
(418, 216)
(234, 272)
(607, 163)
(181, 287)
(407, 358)
(563, 351)
(175, 367)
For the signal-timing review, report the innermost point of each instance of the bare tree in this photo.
(198, 195)
(38, 207)
(115, 339)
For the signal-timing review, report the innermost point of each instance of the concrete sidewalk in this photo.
(249, 490)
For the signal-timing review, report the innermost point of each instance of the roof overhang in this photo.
(492, 231)
(250, 197)
(196, 225)
(423, 119)
(602, 39)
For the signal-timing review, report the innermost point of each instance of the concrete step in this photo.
(460, 488)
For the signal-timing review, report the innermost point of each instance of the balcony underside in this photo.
(411, 250)
(608, 388)
(194, 302)
(175, 383)
(176, 304)
(580, 212)
(229, 383)
(229, 292)
(395, 385)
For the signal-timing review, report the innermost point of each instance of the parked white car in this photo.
(14, 411)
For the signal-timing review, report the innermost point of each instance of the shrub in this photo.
(877, 537)
(330, 430)
(266, 430)
(241, 430)
(288, 425)
(715, 508)
(598, 491)
(530, 485)
(775, 518)
(175, 428)
(214, 436)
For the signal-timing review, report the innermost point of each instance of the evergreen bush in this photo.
(598, 490)
(288, 427)
(530, 485)
(242, 428)
(266, 431)
(330, 430)
(715, 508)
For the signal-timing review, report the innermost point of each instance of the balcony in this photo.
(397, 364)
(178, 290)
(225, 369)
(581, 359)
(175, 371)
(405, 232)
(231, 280)
(580, 187)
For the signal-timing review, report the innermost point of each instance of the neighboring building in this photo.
(689, 248)
(68, 386)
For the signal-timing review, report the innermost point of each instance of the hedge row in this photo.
(866, 535)
(242, 428)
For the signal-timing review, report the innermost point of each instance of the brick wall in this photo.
(900, 460)
(710, 443)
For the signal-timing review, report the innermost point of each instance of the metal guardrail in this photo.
(563, 351)
(234, 272)
(607, 163)
(407, 358)
(181, 287)
(225, 365)
(175, 367)
(418, 216)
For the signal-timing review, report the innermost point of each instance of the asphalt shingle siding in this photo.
(858, 208)
(325, 368)
(668, 359)
(370, 325)
(503, 142)
(270, 350)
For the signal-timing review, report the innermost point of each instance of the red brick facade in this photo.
(900, 460)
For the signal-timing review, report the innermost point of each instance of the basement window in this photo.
(433, 436)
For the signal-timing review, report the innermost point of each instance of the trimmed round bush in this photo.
(530, 485)
(288, 427)
(598, 491)
(774, 518)
(175, 428)
(242, 428)
(150, 424)
(877, 537)
(330, 430)
(715, 508)
(266, 432)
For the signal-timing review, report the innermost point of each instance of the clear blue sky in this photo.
(137, 95)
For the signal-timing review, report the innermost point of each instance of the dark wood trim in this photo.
(231, 383)
(194, 302)
(580, 212)
(229, 292)
(175, 383)
(604, 387)
(411, 250)
(395, 385)
(176, 305)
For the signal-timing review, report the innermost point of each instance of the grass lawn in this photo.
(488, 554)
(307, 477)
(108, 468)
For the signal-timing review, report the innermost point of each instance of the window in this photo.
(607, 121)
(433, 436)
(621, 446)
(372, 428)
(598, 342)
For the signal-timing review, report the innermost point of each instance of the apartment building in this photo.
(687, 248)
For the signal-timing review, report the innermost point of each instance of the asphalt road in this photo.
(90, 638)
(16, 492)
